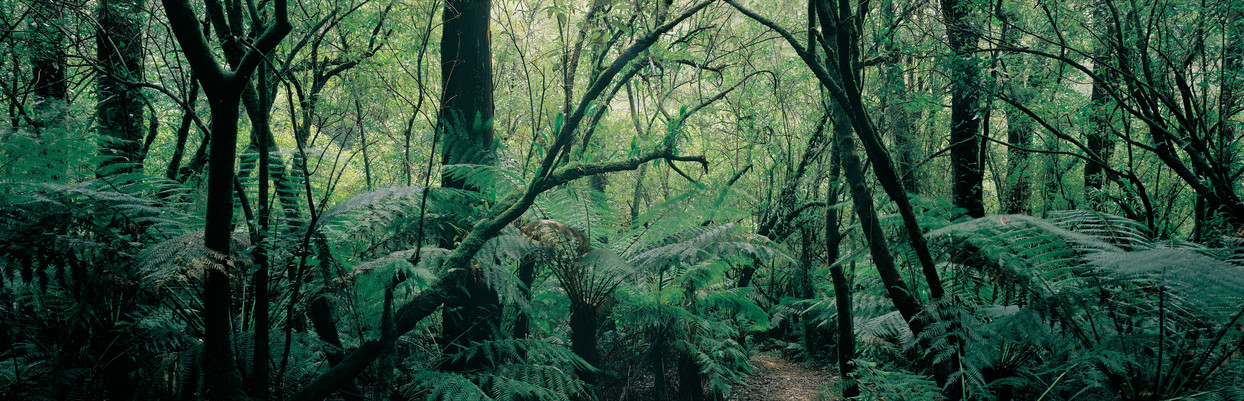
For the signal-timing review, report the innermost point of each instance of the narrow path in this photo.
(777, 379)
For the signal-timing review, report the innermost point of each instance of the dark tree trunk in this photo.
(1019, 135)
(861, 197)
(814, 338)
(1019, 128)
(842, 291)
(119, 112)
(221, 377)
(47, 59)
(223, 88)
(846, 332)
(473, 314)
(862, 200)
(527, 278)
(261, 353)
(965, 110)
(584, 319)
(1098, 141)
(849, 107)
(656, 356)
(690, 380)
(466, 78)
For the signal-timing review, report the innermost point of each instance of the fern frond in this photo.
(1115, 230)
(738, 303)
(493, 180)
(585, 209)
(888, 328)
(1193, 278)
(699, 244)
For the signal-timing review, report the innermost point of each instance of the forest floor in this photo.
(779, 379)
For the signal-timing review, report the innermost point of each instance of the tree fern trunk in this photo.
(690, 380)
(584, 320)
(527, 278)
(657, 350)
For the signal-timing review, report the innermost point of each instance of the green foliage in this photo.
(1091, 290)
(101, 269)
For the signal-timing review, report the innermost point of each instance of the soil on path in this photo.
(777, 379)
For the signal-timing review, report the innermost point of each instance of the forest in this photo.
(621, 199)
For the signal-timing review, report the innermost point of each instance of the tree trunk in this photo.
(656, 355)
(846, 331)
(472, 314)
(119, 112)
(47, 59)
(526, 278)
(848, 106)
(584, 319)
(690, 380)
(1018, 135)
(1019, 128)
(1098, 139)
(895, 101)
(842, 291)
(221, 377)
(965, 110)
(224, 90)
(862, 200)
(466, 77)
(814, 338)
